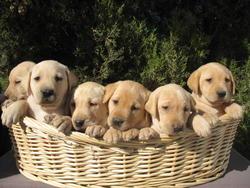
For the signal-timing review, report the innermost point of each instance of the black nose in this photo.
(47, 93)
(117, 121)
(79, 123)
(221, 94)
(178, 129)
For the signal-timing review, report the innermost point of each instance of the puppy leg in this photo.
(200, 126)
(148, 133)
(62, 123)
(234, 111)
(112, 136)
(211, 119)
(96, 131)
(14, 112)
(130, 134)
(6, 104)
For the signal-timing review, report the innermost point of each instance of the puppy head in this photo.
(126, 101)
(214, 82)
(171, 106)
(49, 82)
(88, 106)
(19, 80)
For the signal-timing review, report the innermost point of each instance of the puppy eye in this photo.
(209, 80)
(227, 80)
(37, 78)
(115, 101)
(185, 109)
(165, 107)
(92, 104)
(134, 108)
(57, 78)
(17, 81)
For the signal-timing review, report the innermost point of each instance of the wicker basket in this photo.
(43, 154)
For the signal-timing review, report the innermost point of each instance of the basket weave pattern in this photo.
(44, 154)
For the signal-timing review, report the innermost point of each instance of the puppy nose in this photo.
(221, 94)
(47, 93)
(79, 123)
(117, 121)
(178, 129)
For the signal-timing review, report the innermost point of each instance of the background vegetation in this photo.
(152, 42)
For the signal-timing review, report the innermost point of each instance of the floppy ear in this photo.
(72, 79)
(232, 83)
(193, 82)
(192, 104)
(26, 82)
(152, 103)
(109, 90)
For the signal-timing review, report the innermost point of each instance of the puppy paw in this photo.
(113, 136)
(200, 126)
(130, 134)
(6, 104)
(148, 133)
(14, 113)
(211, 119)
(96, 131)
(234, 111)
(62, 123)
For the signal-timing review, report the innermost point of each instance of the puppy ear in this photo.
(72, 79)
(232, 83)
(192, 104)
(193, 82)
(109, 90)
(26, 82)
(152, 103)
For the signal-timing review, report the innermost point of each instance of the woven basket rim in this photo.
(79, 137)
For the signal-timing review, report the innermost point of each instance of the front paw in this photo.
(62, 123)
(234, 111)
(200, 126)
(148, 133)
(14, 113)
(130, 134)
(211, 119)
(113, 136)
(96, 131)
(6, 104)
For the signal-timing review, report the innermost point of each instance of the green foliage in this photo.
(152, 42)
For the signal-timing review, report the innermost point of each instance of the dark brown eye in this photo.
(227, 80)
(165, 107)
(115, 101)
(92, 104)
(134, 108)
(17, 81)
(185, 109)
(209, 80)
(37, 78)
(58, 78)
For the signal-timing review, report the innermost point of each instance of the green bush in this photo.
(152, 42)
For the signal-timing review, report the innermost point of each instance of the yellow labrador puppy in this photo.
(49, 84)
(213, 87)
(18, 81)
(171, 107)
(126, 105)
(89, 113)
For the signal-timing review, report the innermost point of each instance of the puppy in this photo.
(89, 112)
(18, 83)
(213, 87)
(171, 107)
(126, 105)
(49, 85)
